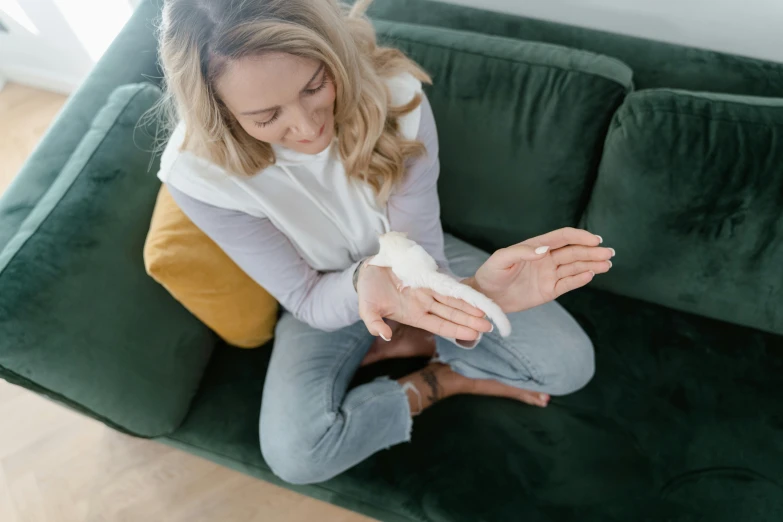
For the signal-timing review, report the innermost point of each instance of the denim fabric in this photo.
(312, 428)
(547, 350)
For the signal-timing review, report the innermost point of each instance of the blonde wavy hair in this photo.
(197, 38)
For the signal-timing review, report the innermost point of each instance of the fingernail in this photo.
(592, 273)
(384, 338)
(613, 252)
(542, 250)
(491, 327)
(600, 239)
(610, 264)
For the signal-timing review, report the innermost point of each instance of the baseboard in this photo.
(39, 79)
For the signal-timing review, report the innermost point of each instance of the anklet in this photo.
(409, 386)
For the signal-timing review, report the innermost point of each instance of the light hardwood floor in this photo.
(58, 466)
(25, 114)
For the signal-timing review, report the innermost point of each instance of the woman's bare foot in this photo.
(498, 389)
(406, 341)
(438, 381)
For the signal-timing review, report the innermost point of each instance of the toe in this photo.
(498, 389)
(534, 398)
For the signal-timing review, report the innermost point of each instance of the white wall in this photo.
(53, 58)
(53, 44)
(745, 27)
(72, 33)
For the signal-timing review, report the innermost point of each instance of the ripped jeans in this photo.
(312, 428)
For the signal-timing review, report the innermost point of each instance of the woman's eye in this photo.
(310, 92)
(268, 122)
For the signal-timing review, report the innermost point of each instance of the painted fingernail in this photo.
(384, 338)
(600, 239)
(542, 250)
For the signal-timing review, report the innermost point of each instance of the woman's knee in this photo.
(290, 458)
(557, 353)
(573, 365)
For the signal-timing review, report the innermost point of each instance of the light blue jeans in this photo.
(312, 428)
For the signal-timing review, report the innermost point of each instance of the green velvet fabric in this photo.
(129, 59)
(655, 64)
(520, 126)
(690, 194)
(683, 422)
(79, 317)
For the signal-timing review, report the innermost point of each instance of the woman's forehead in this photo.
(268, 80)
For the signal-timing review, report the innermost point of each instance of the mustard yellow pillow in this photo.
(194, 270)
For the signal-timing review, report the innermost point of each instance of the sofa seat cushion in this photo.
(682, 422)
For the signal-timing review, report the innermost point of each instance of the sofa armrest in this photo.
(80, 320)
(131, 58)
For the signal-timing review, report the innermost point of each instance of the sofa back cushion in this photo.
(655, 64)
(690, 194)
(520, 125)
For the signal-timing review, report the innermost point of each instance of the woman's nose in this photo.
(304, 124)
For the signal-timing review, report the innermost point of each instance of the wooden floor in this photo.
(25, 114)
(58, 466)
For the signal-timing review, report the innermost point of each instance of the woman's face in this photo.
(281, 99)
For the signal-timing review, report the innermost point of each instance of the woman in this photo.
(299, 142)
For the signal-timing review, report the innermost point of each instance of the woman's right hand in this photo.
(380, 297)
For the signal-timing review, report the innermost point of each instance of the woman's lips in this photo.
(320, 133)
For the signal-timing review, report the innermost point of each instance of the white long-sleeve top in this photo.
(300, 227)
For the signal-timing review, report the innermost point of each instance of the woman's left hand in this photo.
(518, 278)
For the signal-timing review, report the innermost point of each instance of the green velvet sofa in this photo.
(674, 155)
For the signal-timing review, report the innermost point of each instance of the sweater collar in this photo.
(288, 157)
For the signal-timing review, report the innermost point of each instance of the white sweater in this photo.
(300, 227)
(332, 220)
